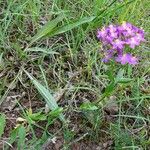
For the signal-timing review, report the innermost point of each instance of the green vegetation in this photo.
(55, 92)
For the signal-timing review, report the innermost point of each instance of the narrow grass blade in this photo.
(50, 28)
(2, 65)
(9, 87)
(42, 50)
(45, 94)
(46, 29)
(44, 76)
(68, 27)
(88, 106)
(2, 124)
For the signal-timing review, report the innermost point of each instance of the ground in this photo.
(55, 91)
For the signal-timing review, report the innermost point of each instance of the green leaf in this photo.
(1, 61)
(47, 29)
(56, 112)
(88, 106)
(120, 78)
(45, 93)
(22, 136)
(124, 80)
(2, 124)
(68, 27)
(110, 74)
(50, 28)
(37, 116)
(109, 89)
(42, 50)
(120, 74)
(13, 135)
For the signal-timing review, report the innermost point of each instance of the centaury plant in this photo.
(116, 38)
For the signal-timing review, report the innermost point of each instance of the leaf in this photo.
(46, 29)
(21, 135)
(120, 78)
(50, 28)
(88, 106)
(2, 124)
(129, 72)
(1, 61)
(13, 135)
(49, 99)
(42, 50)
(37, 116)
(125, 80)
(109, 89)
(110, 74)
(120, 74)
(56, 112)
(68, 27)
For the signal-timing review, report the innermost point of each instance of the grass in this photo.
(49, 53)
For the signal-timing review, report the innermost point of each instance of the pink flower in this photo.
(133, 60)
(125, 25)
(101, 34)
(140, 37)
(113, 32)
(118, 44)
(108, 55)
(116, 37)
(133, 42)
(123, 59)
(128, 30)
(127, 58)
(108, 39)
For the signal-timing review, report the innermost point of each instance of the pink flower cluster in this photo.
(117, 37)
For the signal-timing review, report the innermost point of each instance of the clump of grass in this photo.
(55, 42)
